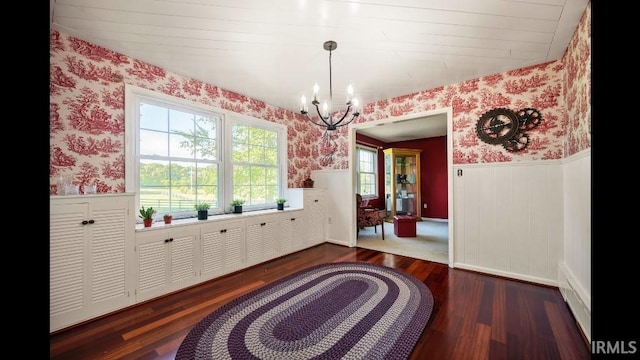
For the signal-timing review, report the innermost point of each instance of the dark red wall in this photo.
(433, 173)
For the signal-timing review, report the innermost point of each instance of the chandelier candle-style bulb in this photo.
(349, 93)
(325, 110)
(316, 89)
(303, 108)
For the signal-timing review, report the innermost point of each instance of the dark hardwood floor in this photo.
(475, 316)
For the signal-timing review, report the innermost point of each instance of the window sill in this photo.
(159, 224)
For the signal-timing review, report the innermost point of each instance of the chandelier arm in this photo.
(344, 116)
(320, 115)
(315, 123)
(355, 115)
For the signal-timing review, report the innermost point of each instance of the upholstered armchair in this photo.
(369, 216)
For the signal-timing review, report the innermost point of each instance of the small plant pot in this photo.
(237, 209)
(147, 222)
(280, 206)
(167, 219)
(308, 183)
(203, 214)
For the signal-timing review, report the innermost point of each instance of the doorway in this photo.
(394, 129)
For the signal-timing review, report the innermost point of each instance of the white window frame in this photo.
(133, 94)
(282, 160)
(375, 171)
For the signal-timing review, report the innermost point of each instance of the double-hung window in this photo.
(181, 153)
(255, 163)
(367, 171)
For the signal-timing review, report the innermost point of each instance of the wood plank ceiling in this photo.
(272, 50)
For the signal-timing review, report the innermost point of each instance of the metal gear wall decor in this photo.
(497, 126)
(504, 127)
(529, 118)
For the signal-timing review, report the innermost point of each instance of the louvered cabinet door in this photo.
(298, 231)
(67, 264)
(212, 240)
(167, 261)
(223, 246)
(291, 231)
(286, 234)
(111, 255)
(90, 257)
(262, 238)
(271, 237)
(315, 206)
(152, 262)
(184, 257)
(234, 247)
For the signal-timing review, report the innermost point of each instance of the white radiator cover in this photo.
(578, 300)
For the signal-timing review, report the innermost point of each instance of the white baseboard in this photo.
(507, 274)
(339, 242)
(576, 298)
(435, 219)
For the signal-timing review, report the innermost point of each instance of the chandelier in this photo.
(326, 115)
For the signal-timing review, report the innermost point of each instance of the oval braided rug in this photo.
(349, 310)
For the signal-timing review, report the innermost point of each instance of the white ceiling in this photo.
(272, 50)
(409, 129)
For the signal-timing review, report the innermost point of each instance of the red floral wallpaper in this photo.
(86, 114)
(87, 111)
(577, 88)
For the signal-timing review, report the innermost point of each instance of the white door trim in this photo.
(352, 150)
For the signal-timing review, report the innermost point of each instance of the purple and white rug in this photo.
(350, 310)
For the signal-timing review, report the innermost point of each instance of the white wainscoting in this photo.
(509, 219)
(575, 271)
(341, 204)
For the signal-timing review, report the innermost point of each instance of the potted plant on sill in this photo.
(280, 202)
(167, 218)
(203, 210)
(236, 205)
(147, 215)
